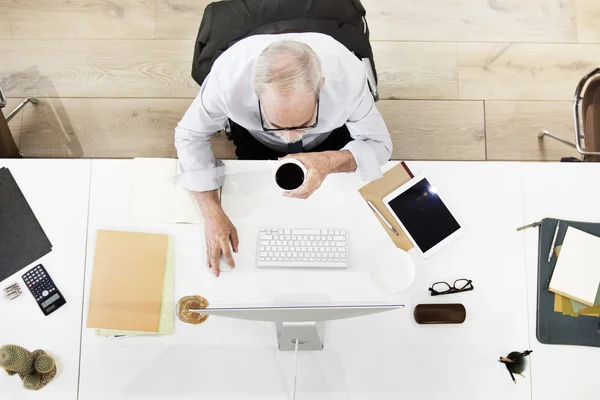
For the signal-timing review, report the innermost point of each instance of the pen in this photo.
(390, 227)
(553, 241)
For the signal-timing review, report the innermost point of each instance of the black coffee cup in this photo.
(290, 174)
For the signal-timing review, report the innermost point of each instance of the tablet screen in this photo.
(424, 215)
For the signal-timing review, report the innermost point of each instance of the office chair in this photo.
(226, 22)
(586, 115)
(8, 147)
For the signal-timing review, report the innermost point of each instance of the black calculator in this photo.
(43, 289)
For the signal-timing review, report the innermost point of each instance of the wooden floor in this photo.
(459, 79)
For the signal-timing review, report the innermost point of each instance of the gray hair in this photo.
(288, 66)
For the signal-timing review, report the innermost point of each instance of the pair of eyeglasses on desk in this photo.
(460, 285)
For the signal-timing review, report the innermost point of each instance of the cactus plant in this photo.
(44, 363)
(16, 359)
(36, 369)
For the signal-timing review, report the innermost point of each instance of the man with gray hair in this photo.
(298, 95)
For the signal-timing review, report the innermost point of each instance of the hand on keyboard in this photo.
(221, 237)
(303, 248)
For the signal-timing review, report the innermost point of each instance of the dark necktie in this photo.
(295, 147)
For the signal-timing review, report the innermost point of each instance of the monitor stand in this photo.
(310, 335)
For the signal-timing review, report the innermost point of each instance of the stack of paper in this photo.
(132, 284)
(576, 277)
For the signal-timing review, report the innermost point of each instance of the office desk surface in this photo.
(58, 193)
(385, 356)
(566, 191)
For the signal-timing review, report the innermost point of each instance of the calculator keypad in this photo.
(39, 283)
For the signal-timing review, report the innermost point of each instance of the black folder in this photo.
(553, 327)
(22, 239)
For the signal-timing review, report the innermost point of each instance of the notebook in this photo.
(166, 325)
(577, 271)
(127, 281)
(156, 197)
(22, 239)
(376, 190)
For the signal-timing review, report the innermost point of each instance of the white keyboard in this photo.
(302, 248)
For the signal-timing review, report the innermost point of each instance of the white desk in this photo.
(385, 356)
(568, 191)
(58, 193)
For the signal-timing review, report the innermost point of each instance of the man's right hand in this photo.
(221, 236)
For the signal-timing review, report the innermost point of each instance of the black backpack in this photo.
(226, 22)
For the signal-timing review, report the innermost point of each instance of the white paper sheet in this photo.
(577, 271)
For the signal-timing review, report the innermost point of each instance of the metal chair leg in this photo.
(14, 112)
(563, 141)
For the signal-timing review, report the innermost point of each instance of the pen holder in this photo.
(185, 304)
(515, 363)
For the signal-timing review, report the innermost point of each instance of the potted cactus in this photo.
(36, 369)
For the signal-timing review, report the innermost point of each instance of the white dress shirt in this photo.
(228, 92)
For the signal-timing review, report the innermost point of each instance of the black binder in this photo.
(553, 327)
(22, 239)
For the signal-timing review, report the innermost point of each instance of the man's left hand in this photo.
(318, 166)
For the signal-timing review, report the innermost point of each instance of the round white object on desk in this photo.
(392, 269)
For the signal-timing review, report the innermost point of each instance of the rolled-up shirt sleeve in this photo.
(372, 144)
(198, 170)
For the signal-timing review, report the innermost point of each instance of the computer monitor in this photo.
(304, 323)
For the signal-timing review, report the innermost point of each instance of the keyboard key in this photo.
(306, 232)
(340, 244)
(323, 231)
(287, 231)
(338, 238)
(330, 232)
(266, 237)
(336, 232)
(327, 244)
(330, 238)
(264, 242)
(270, 254)
(343, 232)
(280, 231)
(337, 255)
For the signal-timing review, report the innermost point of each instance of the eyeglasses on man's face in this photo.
(460, 285)
(296, 128)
